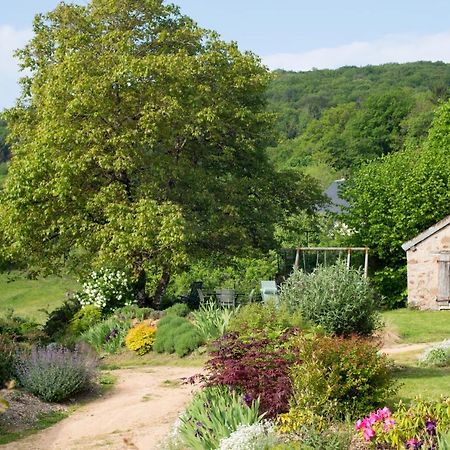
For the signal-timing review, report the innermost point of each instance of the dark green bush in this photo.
(54, 373)
(176, 334)
(336, 298)
(179, 309)
(59, 319)
(20, 329)
(7, 352)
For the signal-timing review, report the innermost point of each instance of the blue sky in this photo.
(289, 34)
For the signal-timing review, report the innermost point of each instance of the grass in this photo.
(45, 421)
(128, 359)
(28, 297)
(414, 326)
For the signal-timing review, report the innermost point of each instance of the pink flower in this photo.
(368, 434)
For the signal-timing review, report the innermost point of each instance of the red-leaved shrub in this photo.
(259, 368)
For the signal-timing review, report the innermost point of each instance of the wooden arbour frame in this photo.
(348, 250)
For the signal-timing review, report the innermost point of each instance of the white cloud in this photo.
(391, 48)
(10, 40)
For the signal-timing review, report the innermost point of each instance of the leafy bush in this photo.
(7, 352)
(179, 309)
(108, 335)
(176, 334)
(415, 427)
(133, 312)
(335, 378)
(54, 373)
(140, 338)
(437, 356)
(257, 367)
(20, 329)
(213, 414)
(212, 321)
(59, 319)
(107, 290)
(84, 319)
(339, 299)
(266, 319)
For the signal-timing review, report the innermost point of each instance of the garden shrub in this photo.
(54, 373)
(176, 334)
(212, 321)
(140, 338)
(437, 356)
(59, 319)
(7, 353)
(178, 309)
(106, 289)
(20, 329)
(213, 414)
(259, 368)
(266, 319)
(417, 426)
(108, 335)
(85, 318)
(336, 298)
(335, 378)
(134, 312)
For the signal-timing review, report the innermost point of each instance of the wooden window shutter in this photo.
(444, 278)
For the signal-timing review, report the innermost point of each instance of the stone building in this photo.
(428, 257)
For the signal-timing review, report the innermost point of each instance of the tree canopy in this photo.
(139, 141)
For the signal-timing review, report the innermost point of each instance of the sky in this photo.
(286, 34)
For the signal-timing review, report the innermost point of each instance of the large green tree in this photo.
(139, 141)
(398, 196)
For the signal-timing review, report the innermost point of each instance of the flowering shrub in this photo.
(257, 436)
(107, 290)
(415, 427)
(140, 338)
(54, 373)
(213, 414)
(258, 367)
(438, 355)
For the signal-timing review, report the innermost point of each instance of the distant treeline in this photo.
(329, 121)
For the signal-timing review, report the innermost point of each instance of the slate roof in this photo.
(426, 234)
(337, 203)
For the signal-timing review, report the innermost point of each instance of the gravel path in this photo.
(136, 414)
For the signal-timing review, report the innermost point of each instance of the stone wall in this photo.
(423, 269)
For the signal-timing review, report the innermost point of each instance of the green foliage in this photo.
(140, 338)
(179, 309)
(264, 319)
(212, 321)
(176, 335)
(108, 335)
(84, 319)
(213, 414)
(20, 329)
(150, 140)
(59, 319)
(54, 373)
(335, 378)
(437, 356)
(7, 357)
(336, 298)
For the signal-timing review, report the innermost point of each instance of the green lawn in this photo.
(27, 297)
(413, 326)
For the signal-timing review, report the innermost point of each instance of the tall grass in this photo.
(212, 321)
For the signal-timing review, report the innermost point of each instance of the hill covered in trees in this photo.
(329, 121)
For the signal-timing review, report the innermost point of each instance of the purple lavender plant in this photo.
(54, 373)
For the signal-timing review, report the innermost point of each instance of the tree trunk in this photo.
(161, 289)
(142, 297)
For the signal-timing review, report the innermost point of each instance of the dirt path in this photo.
(137, 414)
(403, 348)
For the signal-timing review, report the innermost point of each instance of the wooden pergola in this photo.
(347, 250)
